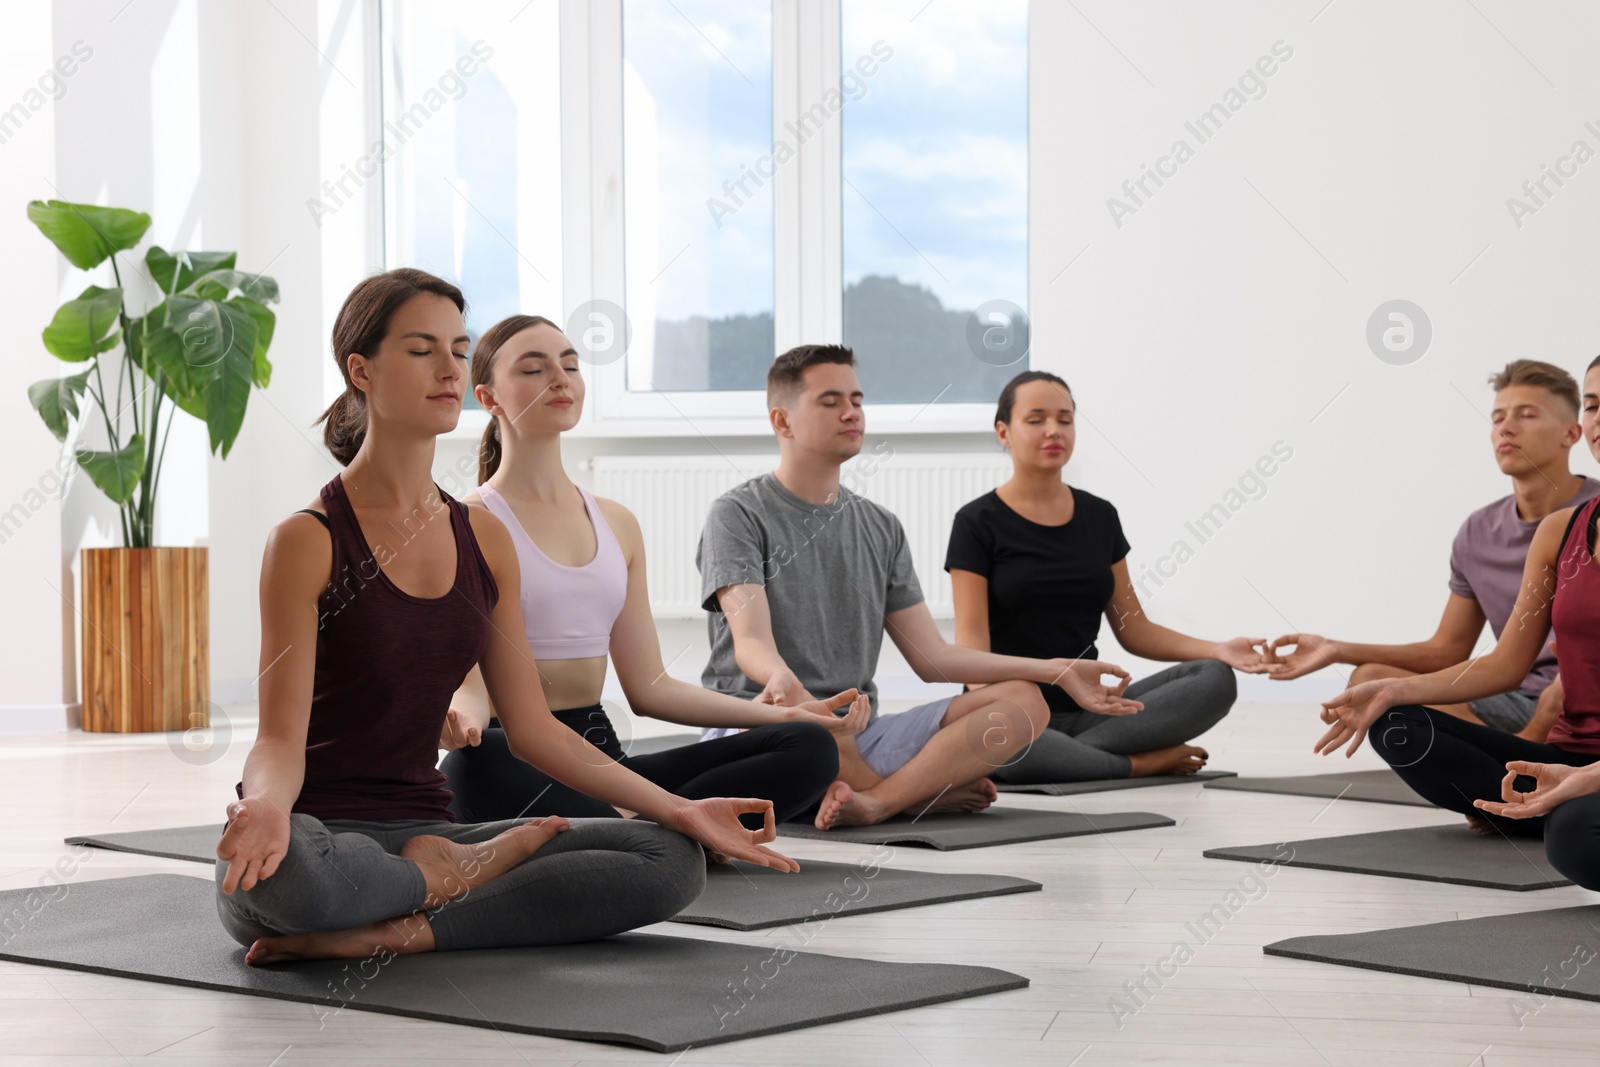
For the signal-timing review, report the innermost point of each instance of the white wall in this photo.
(209, 117)
(36, 633)
(1230, 309)
(1223, 315)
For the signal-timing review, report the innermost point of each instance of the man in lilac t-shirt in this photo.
(1534, 426)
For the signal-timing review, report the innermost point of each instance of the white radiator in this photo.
(671, 495)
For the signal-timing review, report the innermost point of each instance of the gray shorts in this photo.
(889, 741)
(1506, 711)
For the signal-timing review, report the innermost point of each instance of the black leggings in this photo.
(1572, 840)
(1452, 762)
(791, 764)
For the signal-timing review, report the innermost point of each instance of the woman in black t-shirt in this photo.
(1035, 564)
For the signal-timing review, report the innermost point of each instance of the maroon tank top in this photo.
(1575, 618)
(387, 664)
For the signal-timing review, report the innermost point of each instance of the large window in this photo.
(471, 135)
(732, 177)
(935, 198)
(697, 119)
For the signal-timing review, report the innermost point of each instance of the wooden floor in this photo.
(1111, 907)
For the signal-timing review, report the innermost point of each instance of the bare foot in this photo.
(1179, 759)
(452, 868)
(1480, 824)
(974, 796)
(399, 937)
(843, 806)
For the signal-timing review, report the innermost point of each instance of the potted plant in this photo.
(200, 348)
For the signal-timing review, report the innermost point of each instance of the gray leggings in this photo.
(1180, 704)
(598, 878)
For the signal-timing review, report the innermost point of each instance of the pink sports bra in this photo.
(567, 611)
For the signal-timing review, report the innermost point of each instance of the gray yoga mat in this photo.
(742, 896)
(996, 826)
(1381, 786)
(197, 843)
(1454, 853)
(1540, 952)
(660, 993)
(739, 896)
(1102, 785)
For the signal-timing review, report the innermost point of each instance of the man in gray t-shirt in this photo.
(1534, 424)
(831, 573)
(802, 577)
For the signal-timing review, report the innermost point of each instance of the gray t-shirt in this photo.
(831, 573)
(1486, 563)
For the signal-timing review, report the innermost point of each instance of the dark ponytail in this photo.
(362, 325)
(1008, 395)
(490, 449)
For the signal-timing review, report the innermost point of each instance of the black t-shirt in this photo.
(1049, 586)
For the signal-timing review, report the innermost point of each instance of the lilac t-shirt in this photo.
(1486, 565)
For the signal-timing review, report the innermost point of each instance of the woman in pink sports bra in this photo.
(1550, 789)
(583, 597)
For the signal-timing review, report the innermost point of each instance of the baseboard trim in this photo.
(40, 718)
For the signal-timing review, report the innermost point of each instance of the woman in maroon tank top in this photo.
(373, 608)
(1501, 781)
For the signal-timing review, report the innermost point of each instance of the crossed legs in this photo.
(349, 889)
(978, 732)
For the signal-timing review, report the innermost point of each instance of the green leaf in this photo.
(86, 234)
(256, 286)
(56, 400)
(183, 384)
(83, 327)
(192, 402)
(165, 348)
(266, 321)
(198, 334)
(116, 473)
(185, 266)
(229, 391)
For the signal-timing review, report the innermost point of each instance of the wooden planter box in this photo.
(146, 622)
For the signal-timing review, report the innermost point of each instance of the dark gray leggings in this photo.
(601, 877)
(1180, 703)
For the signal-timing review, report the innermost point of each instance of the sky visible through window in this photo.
(935, 193)
(697, 116)
(932, 119)
(472, 128)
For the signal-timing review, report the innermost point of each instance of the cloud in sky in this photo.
(938, 145)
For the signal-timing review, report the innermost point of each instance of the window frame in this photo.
(808, 297)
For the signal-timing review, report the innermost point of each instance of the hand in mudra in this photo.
(459, 731)
(714, 823)
(254, 842)
(1081, 680)
(1251, 655)
(821, 712)
(1351, 714)
(1554, 784)
(1311, 652)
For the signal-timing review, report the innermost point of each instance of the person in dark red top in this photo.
(374, 606)
(1498, 780)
